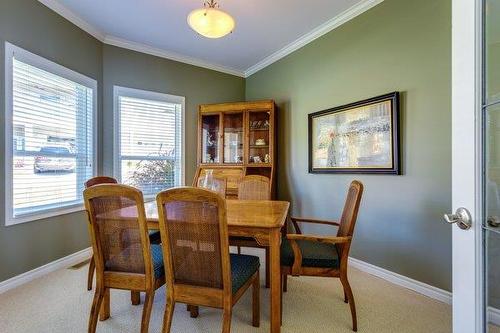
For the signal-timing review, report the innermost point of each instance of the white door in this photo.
(476, 165)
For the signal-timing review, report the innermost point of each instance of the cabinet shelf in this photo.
(234, 128)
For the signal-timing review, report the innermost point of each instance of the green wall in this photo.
(402, 45)
(32, 26)
(398, 45)
(141, 71)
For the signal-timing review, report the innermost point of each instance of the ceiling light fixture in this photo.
(210, 21)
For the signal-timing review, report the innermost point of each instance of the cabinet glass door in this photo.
(259, 124)
(210, 138)
(233, 138)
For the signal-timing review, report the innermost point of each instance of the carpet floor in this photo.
(60, 302)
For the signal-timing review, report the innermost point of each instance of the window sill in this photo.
(10, 221)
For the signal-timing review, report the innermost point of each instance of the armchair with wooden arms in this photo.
(325, 256)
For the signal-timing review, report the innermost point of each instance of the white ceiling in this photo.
(266, 30)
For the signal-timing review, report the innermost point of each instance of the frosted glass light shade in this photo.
(211, 22)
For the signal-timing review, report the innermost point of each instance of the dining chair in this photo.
(324, 256)
(124, 257)
(199, 269)
(219, 185)
(253, 187)
(154, 235)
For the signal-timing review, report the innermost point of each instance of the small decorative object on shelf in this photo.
(260, 142)
(235, 140)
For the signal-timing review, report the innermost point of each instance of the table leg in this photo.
(274, 249)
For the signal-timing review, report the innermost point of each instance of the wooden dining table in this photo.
(261, 220)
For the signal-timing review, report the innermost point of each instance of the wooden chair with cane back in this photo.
(325, 256)
(219, 185)
(154, 236)
(253, 187)
(124, 256)
(199, 269)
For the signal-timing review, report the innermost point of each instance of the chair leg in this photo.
(350, 297)
(135, 297)
(146, 311)
(283, 277)
(194, 311)
(285, 283)
(105, 306)
(94, 311)
(345, 297)
(256, 301)
(268, 269)
(90, 274)
(239, 249)
(226, 319)
(168, 315)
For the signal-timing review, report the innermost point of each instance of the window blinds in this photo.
(150, 143)
(52, 136)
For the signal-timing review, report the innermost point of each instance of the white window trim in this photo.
(49, 66)
(148, 95)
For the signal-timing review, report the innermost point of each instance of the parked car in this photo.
(54, 158)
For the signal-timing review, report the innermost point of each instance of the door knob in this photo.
(461, 217)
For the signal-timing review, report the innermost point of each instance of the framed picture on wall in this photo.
(361, 137)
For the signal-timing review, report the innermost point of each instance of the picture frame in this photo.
(358, 138)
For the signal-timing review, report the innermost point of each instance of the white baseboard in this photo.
(417, 286)
(397, 279)
(403, 281)
(61, 263)
(494, 316)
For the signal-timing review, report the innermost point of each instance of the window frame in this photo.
(12, 51)
(119, 91)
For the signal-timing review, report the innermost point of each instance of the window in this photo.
(50, 144)
(149, 142)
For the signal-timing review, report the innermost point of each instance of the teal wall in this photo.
(399, 45)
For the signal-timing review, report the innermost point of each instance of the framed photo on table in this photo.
(361, 137)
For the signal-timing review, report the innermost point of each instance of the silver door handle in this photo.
(461, 217)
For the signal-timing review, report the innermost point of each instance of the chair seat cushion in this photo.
(157, 259)
(154, 236)
(243, 267)
(314, 254)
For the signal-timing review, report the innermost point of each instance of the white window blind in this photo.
(150, 143)
(50, 124)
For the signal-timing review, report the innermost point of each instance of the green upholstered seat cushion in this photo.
(154, 236)
(121, 260)
(157, 259)
(242, 269)
(314, 254)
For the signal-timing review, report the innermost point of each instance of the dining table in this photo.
(261, 220)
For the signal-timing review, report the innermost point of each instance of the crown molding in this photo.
(326, 27)
(126, 44)
(73, 18)
(321, 30)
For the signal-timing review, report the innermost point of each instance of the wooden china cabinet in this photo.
(237, 139)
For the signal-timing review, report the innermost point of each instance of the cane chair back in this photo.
(219, 185)
(194, 229)
(254, 187)
(118, 228)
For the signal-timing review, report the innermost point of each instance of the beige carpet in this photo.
(59, 302)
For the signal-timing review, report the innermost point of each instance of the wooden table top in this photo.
(243, 213)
